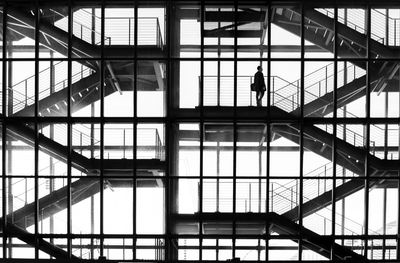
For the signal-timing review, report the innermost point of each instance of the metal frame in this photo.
(173, 116)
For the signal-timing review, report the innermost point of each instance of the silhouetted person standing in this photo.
(259, 85)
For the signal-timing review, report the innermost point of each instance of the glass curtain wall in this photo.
(200, 130)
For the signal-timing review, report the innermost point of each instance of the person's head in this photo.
(259, 68)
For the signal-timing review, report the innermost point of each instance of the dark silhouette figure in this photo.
(259, 85)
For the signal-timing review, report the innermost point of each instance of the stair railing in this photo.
(384, 29)
(280, 201)
(307, 198)
(118, 30)
(80, 30)
(27, 85)
(357, 27)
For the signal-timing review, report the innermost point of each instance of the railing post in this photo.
(124, 144)
(373, 148)
(41, 219)
(273, 90)
(198, 197)
(26, 191)
(123, 249)
(293, 103)
(291, 197)
(386, 28)
(251, 94)
(26, 93)
(249, 197)
(155, 144)
(80, 140)
(372, 249)
(326, 79)
(298, 93)
(129, 30)
(272, 197)
(200, 92)
(319, 89)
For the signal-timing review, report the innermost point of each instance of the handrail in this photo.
(337, 213)
(21, 103)
(120, 30)
(289, 101)
(149, 138)
(390, 30)
(288, 194)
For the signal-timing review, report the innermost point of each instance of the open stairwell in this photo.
(85, 83)
(311, 240)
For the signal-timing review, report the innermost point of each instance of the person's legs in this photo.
(258, 98)
(260, 95)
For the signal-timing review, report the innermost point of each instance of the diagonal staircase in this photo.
(311, 240)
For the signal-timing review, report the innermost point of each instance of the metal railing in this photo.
(120, 140)
(284, 95)
(121, 31)
(384, 29)
(117, 30)
(23, 92)
(283, 197)
(79, 29)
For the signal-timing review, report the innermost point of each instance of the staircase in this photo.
(320, 244)
(85, 81)
(318, 29)
(151, 160)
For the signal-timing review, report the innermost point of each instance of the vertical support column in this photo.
(268, 14)
(367, 139)
(201, 103)
(9, 143)
(398, 182)
(36, 129)
(343, 206)
(384, 222)
(259, 176)
(174, 18)
(334, 147)
(92, 142)
(173, 153)
(235, 128)
(135, 81)
(172, 141)
(69, 129)
(51, 160)
(301, 132)
(3, 137)
(218, 174)
(102, 93)
(219, 69)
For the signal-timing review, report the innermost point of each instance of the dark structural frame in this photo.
(237, 122)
